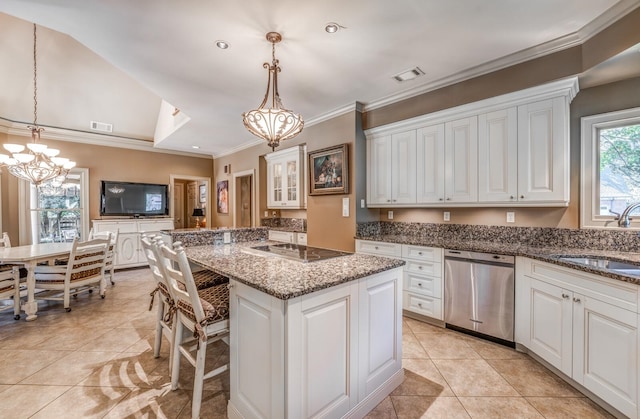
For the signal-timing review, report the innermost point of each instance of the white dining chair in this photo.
(203, 312)
(83, 271)
(10, 289)
(109, 265)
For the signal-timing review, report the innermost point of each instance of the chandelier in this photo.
(276, 123)
(39, 164)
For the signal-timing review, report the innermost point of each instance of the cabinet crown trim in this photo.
(566, 87)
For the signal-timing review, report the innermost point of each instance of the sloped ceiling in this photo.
(116, 61)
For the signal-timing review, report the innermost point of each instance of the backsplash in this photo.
(292, 224)
(594, 239)
(193, 237)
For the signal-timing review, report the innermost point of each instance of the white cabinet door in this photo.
(380, 302)
(281, 236)
(403, 168)
(605, 355)
(550, 334)
(284, 178)
(498, 156)
(127, 249)
(379, 163)
(461, 156)
(322, 351)
(256, 350)
(543, 151)
(430, 164)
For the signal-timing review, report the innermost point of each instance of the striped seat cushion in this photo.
(4, 289)
(215, 303)
(77, 276)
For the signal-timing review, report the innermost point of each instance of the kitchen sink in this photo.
(624, 268)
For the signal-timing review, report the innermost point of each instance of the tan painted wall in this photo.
(104, 163)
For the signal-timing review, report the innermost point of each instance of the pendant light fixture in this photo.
(276, 123)
(40, 164)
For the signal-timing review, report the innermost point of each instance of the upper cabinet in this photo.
(285, 178)
(503, 151)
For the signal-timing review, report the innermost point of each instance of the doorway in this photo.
(189, 192)
(243, 199)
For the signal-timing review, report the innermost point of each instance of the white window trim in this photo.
(589, 126)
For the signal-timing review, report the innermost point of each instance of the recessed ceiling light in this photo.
(222, 44)
(333, 27)
(195, 146)
(408, 75)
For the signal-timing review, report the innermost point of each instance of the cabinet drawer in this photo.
(432, 254)
(424, 285)
(379, 248)
(281, 236)
(421, 304)
(155, 225)
(424, 268)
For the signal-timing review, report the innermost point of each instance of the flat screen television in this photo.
(134, 199)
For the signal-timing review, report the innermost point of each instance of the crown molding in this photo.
(82, 137)
(613, 14)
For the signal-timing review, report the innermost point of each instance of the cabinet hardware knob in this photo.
(376, 247)
(420, 267)
(521, 196)
(448, 199)
(439, 199)
(576, 300)
(393, 200)
(388, 200)
(419, 284)
(420, 253)
(565, 296)
(511, 197)
(420, 305)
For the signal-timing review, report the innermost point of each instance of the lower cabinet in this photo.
(331, 353)
(584, 325)
(129, 251)
(422, 276)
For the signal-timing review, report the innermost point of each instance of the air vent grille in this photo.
(101, 126)
(408, 75)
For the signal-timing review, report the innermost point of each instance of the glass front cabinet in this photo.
(286, 178)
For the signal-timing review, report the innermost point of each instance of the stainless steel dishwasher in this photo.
(479, 293)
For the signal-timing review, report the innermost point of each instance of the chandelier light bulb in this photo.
(14, 148)
(23, 157)
(69, 165)
(37, 147)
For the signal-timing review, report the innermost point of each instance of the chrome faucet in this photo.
(624, 220)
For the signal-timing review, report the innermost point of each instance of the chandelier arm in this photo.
(266, 94)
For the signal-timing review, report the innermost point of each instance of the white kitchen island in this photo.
(316, 339)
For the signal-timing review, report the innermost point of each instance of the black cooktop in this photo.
(298, 252)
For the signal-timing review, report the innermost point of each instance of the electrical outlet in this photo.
(447, 216)
(362, 203)
(390, 215)
(266, 214)
(227, 237)
(511, 217)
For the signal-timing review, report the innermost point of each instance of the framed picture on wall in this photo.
(223, 196)
(329, 170)
(203, 193)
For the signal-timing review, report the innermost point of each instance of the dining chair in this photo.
(203, 312)
(5, 241)
(109, 265)
(10, 289)
(83, 271)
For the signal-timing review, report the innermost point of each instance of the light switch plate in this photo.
(511, 217)
(345, 206)
(362, 203)
(390, 215)
(226, 237)
(447, 216)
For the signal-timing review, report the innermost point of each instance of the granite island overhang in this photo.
(321, 338)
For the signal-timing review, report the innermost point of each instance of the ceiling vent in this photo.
(408, 75)
(101, 126)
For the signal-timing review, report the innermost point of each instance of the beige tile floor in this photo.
(97, 361)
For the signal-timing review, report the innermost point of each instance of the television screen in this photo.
(133, 199)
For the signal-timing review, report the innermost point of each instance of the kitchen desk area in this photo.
(305, 339)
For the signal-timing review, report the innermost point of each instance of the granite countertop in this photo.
(282, 278)
(546, 254)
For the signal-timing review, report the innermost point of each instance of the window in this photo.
(60, 213)
(610, 169)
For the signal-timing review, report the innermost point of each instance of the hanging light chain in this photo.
(35, 80)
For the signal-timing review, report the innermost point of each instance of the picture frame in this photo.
(329, 170)
(222, 197)
(203, 194)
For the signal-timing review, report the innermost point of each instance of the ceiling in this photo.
(116, 61)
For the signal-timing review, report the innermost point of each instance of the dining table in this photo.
(30, 256)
